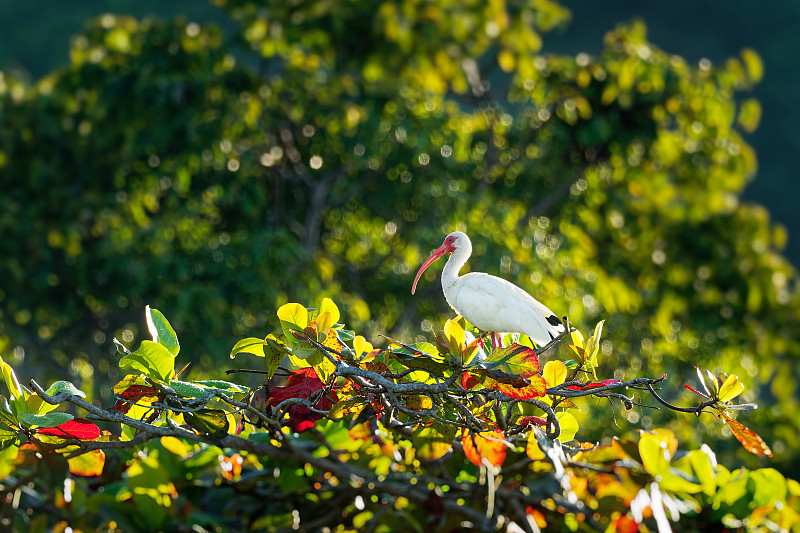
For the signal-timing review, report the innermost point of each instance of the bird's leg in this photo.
(496, 341)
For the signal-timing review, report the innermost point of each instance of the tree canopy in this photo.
(449, 434)
(322, 149)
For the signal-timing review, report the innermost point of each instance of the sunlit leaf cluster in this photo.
(340, 434)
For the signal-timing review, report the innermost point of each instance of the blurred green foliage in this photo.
(324, 149)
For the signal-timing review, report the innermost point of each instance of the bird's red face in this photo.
(448, 246)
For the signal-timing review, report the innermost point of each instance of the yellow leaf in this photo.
(327, 306)
(174, 445)
(730, 389)
(579, 352)
(360, 345)
(533, 450)
(593, 344)
(555, 372)
(324, 323)
(506, 60)
(88, 464)
(472, 349)
(749, 115)
(753, 63)
(656, 448)
(455, 336)
(569, 426)
(577, 338)
(294, 313)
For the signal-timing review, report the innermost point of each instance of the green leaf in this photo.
(161, 330)
(197, 389)
(514, 361)
(429, 364)
(187, 389)
(274, 352)
(224, 386)
(345, 335)
(65, 386)
(35, 405)
(152, 359)
(10, 378)
(6, 414)
(250, 345)
(7, 436)
(212, 421)
(46, 421)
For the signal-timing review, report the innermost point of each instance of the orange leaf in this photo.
(751, 441)
(88, 464)
(624, 524)
(537, 515)
(520, 389)
(488, 445)
(434, 441)
(231, 467)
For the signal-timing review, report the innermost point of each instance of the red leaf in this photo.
(751, 441)
(594, 384)
(134, 394)
(694, 391)
(77, 428)
(376, 366)
(468, 380)
(488, 445)
(301, 384)
(531, 420)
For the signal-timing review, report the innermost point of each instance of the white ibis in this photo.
(490, 303)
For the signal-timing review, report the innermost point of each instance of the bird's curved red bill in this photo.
(443, 249)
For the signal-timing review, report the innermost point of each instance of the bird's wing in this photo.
(494, 304)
